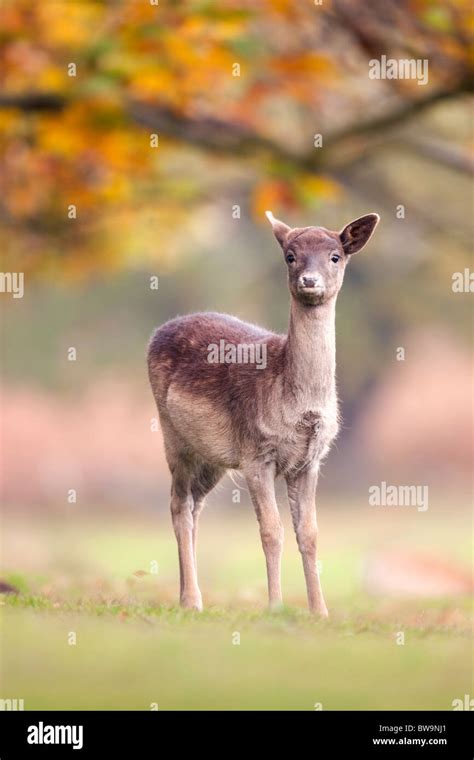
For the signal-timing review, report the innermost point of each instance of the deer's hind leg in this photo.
(205, 479)
(183, 468)
(191, 483)
(182, 505)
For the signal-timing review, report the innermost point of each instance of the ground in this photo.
(111, 583)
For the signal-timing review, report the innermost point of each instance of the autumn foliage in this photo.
(232, 91)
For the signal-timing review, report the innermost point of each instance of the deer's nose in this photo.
(310, 281)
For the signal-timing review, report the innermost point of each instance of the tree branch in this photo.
(220, 136)
(34, 101)
(403, 113)
(440, 153)
(230, 138)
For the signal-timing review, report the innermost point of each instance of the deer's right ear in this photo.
(357, 233)
(280, 229)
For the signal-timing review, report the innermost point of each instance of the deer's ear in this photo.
(357, 233)
(280, 229)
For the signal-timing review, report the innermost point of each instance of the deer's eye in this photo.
(335, 258)
(290, 257)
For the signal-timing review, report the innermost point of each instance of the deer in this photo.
(265, 422)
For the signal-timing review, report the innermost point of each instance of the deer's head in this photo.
(316, 258)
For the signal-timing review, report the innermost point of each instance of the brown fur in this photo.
(265, 422)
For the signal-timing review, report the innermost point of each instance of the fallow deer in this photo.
(265, 422)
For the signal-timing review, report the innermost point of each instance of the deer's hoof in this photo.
(320, 612)
(191, 603)
(275, 606)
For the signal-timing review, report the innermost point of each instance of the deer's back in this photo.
(182, 346)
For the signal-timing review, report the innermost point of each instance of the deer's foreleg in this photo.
(261, 482)
(302, 498)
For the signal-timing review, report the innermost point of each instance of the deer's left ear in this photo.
(280, 229)
(357, 233)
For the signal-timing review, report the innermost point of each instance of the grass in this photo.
(93, 579)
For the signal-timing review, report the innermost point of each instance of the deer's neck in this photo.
(310, 364)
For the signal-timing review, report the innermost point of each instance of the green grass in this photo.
(135, 647)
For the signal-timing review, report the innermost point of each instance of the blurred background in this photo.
(144, 141)
(190, 212)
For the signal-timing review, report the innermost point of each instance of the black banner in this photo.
(377, 734)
